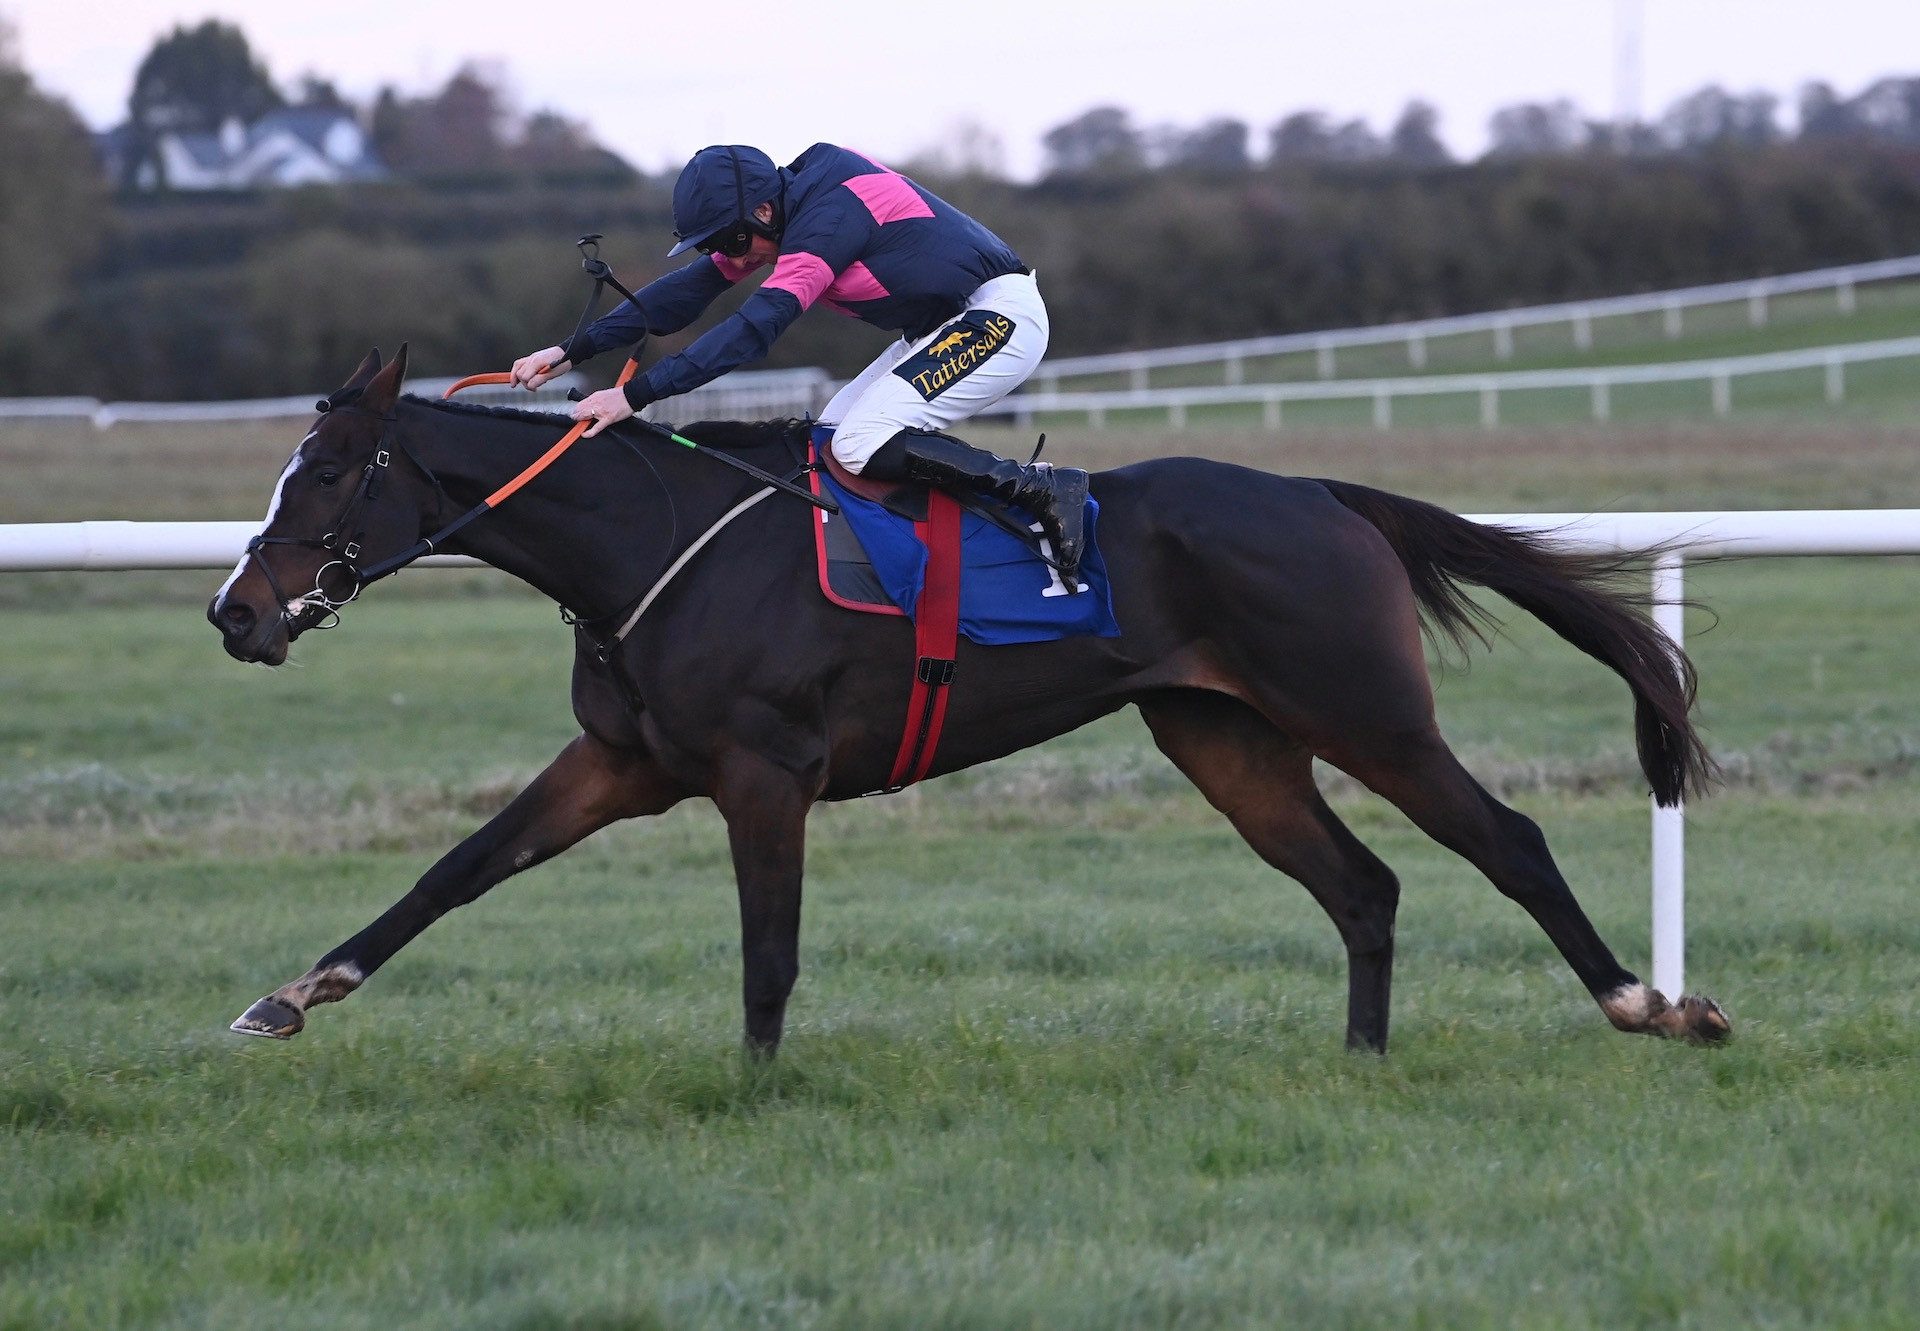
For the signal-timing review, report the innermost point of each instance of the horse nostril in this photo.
(237, 617)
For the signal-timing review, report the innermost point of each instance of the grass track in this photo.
(1063, 1054)
(1083, 1079)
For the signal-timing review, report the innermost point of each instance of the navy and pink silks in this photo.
(856, 236)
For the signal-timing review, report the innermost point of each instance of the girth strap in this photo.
(936, 633)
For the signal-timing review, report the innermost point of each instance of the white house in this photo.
(300, 145)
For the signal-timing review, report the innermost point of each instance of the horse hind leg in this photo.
(1262, 780)
(1420, 775)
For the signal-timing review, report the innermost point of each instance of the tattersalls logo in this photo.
(964, 348)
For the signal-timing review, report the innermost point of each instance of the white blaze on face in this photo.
(273, 511)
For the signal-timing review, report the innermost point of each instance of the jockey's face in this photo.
(762, 251)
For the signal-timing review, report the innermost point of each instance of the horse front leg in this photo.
(590, 785)
(766, 806)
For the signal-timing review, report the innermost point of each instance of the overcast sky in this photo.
(656, 82)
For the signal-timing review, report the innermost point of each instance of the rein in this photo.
(346, 548)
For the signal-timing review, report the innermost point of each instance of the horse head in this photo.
(340, 505)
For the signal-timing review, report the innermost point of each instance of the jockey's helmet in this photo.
(714, 199)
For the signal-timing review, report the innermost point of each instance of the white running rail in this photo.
(1704, 535)
(1578, 315)
(1599, 382)
(745, 394)
(106, 415)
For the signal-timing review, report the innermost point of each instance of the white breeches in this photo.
(970, 362)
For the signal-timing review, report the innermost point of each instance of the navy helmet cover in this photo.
(719, 188)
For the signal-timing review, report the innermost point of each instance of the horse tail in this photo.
(1588, 599)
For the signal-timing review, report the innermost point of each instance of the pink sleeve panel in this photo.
(803, 275)
(889, 197)
(856, 282)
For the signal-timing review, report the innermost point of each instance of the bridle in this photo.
(345, 534)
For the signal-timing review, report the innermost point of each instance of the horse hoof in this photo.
(271, 1019)
(1701, 1020)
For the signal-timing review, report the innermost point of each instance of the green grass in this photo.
(1033, 1078)
(1063, 1053)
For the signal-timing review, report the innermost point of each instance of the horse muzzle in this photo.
(247, 635)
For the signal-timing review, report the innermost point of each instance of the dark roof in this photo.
(204, 149)
(309, 124)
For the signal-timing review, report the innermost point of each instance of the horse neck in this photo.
(580, 536)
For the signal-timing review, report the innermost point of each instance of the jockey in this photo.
(871, 243)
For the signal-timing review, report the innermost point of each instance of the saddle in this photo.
(907, 498)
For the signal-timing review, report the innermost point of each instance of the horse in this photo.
(1265, 621)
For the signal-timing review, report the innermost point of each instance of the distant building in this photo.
(301, 145)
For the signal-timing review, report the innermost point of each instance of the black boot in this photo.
(1056, 496)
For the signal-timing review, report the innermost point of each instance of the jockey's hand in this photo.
(530, 372)
(607, 407)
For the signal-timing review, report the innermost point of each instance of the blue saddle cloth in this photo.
(1007, 594)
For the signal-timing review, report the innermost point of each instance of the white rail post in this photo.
(1722, 393)
(1096, 416)
(1670, 825)
(1844, 294)
(1382, 409)
(1323, 358)
(1757, 308)
(1417, 350)
(1137, 379)
(1177, 415)
(1602, 400)
(1583, 329)
(1673, 319)
(1836, 381)
(1235, 371)
(1489, 407)
(1503, 340)
(1270, 413)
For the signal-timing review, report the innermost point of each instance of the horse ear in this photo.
(383, 390)
(360, 377)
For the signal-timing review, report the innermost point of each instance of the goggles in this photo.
(731, 242)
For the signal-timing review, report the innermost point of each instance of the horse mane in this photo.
(732, 436)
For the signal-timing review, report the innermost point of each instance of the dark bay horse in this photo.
(1265, 621)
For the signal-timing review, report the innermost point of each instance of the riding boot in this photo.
(1055, 496)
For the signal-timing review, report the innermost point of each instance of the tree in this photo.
(468, 129)
(1890, 110)
(320, 94)
(1714, 116)
(460, 130)
(1101, 141)
(50, 208)
(1218, 146)
(1537, 129)
(195, 79)
(552, 145)
(1824, 114)
(1415, 137)
(964, 148)
(1310, 136)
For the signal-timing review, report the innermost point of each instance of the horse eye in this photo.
(329, 478)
